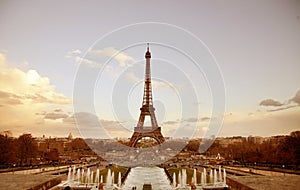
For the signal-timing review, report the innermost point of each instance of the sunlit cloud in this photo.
(97, 58)
(122, 58)
(75, 55)
(75, 52)
(24, 97)
(54, 116)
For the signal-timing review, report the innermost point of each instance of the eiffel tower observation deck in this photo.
(147, 110)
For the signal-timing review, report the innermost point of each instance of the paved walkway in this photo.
(19, 181)
(269, 182)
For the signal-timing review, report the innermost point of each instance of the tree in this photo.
(52, 155)
(289, 149)
(79, 144)
(27, 149)
(7, 150)
(193, 146)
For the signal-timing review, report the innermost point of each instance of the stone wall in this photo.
(47, 184)
(235, 185)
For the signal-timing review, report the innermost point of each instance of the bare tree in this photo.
(7, 151)
(27, 149)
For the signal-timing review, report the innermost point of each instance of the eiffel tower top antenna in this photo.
(148, 54)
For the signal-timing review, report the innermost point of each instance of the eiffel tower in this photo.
(147, 109)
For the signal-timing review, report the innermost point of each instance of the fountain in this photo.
(211, 176)
(108, 179)
(82, 175)
(220, 174)
(215, 177)
(195, 177)
(224, 176)
(119, 180)
(179, 180)
(97, 176)
(216, 180)
(174, 180)
(202, 179)
(113, 178)
(92, 178)
(88, 175)
(73, 173)
(184, 178)
(69, 175)
(204, 176)
(78, 175)
(78, 178)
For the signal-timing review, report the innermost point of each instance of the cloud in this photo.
(155, 84)
(76, 56)
(131, 77)
(19, 87)
(84, 61)
(69, 120)
(41, 113)
(205, 118)
(270, 102)
(296, 98)
(7, 98)
(55, 116)
(262, 123)
(74, 52)
(25, 97)
(170, 122)
(122, 58)
(195, 119)
(188, 120)
(97, 58)
(160, 85)
(115, 128)
(91, 126)
(192, 119)
(282, 108)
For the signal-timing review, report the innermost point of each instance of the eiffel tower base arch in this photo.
(138, 135)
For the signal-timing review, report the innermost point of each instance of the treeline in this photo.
(20, 151)
(23, 151)
(285, 151)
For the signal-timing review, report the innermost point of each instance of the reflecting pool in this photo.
(153, 175)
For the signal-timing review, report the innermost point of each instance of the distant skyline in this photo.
(256, 45)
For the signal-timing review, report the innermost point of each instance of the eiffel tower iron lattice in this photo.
(147, 109)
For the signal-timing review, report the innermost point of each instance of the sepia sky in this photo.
(45, 44)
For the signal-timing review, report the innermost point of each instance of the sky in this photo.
(223, 68)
